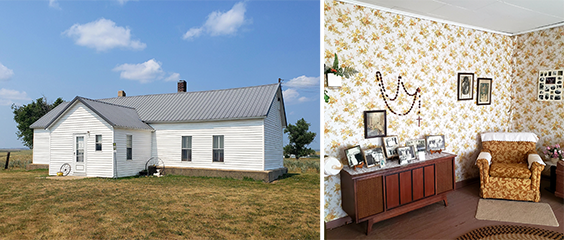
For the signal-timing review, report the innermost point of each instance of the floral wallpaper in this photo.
(425, 54)
(540, 50)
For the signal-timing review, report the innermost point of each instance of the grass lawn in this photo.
(170, 207)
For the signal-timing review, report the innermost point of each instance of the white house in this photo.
(232, 132)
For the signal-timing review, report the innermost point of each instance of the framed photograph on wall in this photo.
(465, 86)
(406, 154)
(375, 157)
(435, 142)
(390, 146)
(354, 156)
(374, 123)
(484, 96)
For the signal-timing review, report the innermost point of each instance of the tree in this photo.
(299, 137)
(27, 114)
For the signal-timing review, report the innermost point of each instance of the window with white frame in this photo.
(129, 147)
(98, 142)
(186, 148)
(218, 148)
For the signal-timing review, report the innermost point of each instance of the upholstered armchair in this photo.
(510, 167)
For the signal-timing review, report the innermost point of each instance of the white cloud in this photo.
(8, 96)
(54, 4)
(173, 77)
(122, 2)
(102, 35)
(303, 99)
(221, 23)
(5, 73)
(142, 72)
(303, 82)
(290, 95)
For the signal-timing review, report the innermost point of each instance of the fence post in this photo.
(7, 160)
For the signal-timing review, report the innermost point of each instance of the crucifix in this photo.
(418, 121)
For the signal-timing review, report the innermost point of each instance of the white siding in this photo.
(41, 146)
(141, 149)
(81, 120)
(273, 137)
(243, 144)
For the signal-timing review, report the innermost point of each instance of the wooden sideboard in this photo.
(373, 195)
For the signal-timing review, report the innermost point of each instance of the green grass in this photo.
(18, 159)
(302, 165)
(170, 207)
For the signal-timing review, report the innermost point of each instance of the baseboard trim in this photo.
(338, 222)
(467, 182)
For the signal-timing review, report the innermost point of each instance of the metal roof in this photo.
(214, 105)
(115, 115)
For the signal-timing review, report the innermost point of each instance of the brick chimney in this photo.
(121, 93)
(182, 86)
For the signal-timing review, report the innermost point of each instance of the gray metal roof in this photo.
(44, 121)
(115, 115)
(235, 103)
(215, 105)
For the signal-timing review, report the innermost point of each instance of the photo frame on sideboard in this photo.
(406, 154)
(390, 146)
(375, 157)
(354, 156)
(465, 86)
(435, 142)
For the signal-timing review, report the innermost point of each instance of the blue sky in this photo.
(95, 48)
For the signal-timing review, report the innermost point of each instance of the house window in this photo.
(218, 148)
(98, 142)
(186, 148)
(129, 146)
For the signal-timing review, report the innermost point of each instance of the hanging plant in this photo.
(345, 72)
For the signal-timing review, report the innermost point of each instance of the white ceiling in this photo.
(509, 17)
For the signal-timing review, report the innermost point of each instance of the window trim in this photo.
(98, 143)
(218, 148)
(128, 149)
(182, 149)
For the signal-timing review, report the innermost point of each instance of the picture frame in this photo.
(374, 123)
(465, 86)
(435, 142)
(419, 144)
(354, 156)
(484, 91)
(375, 157)
(406, 154)
(390, 146)
(550, 85)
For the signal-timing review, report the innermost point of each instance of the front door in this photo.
(79, 155)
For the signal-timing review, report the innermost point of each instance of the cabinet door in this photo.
(445, 179)
(405, 187)
(369, 195)
(392, 191)
(418, 181)
(429, 180)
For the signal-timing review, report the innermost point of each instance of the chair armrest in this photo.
(484, 167)
(532, 158)
(536, 170)
(485, 155)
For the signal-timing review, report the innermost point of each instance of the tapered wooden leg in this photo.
(370, 222)
(445, 201)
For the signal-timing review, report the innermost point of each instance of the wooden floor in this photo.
(439, 222)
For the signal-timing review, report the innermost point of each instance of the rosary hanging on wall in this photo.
(416, 95)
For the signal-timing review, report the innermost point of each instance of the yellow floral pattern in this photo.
(509, 178)
(536, 51)
(429, 55)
